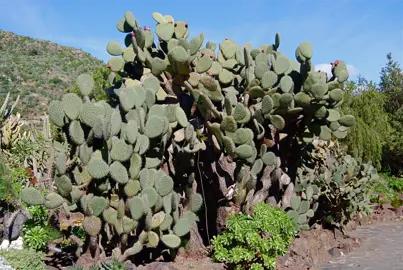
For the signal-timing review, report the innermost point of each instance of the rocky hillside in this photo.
(38, 70)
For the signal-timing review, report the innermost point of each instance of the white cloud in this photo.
(352, 70)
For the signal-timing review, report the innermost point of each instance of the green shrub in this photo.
(396, 201)
(255, 242)
(395, 184)
(37, 232)
(24, 259)
(8, 191)
(35, 238)
(39, 216)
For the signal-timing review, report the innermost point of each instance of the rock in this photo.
(13, 223)
(158, 266)
(130, 266)
(17, 244)
(335, 252)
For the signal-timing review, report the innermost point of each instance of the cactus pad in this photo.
(182, 227)
(171, 240)
(164, 185)
(119, 173)
(92, 225)
(85, 83)
(32, 196)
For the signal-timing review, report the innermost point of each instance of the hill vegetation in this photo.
(39, 70)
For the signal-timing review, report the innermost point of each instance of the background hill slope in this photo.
(39, 70)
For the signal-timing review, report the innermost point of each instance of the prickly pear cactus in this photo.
(303, 203)
(131, 162)
(341, 180)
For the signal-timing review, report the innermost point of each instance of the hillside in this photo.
(39, 70)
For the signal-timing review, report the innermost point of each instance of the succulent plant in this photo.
(236, 108)
(12, 132)
(340, 180)
(8, 128)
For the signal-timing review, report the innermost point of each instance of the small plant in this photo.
(7, 189)
(76, 267)
(255, 242)
(38, 237)
(77, 231)
(52, 233)
(112, 265)
(35, 238)
(396, 184)
(24, 259)
(39, 216)
(37, 233)
(396, 202)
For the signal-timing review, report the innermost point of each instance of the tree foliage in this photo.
(392, 85)
(368, 137)
(101, 83)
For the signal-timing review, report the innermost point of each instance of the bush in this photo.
(395, 184)
(255, 242)
(24, 259)
(37, 232)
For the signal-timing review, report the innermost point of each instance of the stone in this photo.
(13, 223)
(335, 252)
(17, 244)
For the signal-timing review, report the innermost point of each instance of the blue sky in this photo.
(360, 32)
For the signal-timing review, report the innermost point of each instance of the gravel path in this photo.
(381, 249)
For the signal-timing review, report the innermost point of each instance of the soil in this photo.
(310, 248)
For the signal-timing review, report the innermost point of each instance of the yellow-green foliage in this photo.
(101, 83)
(367, 138)
(24, 259)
